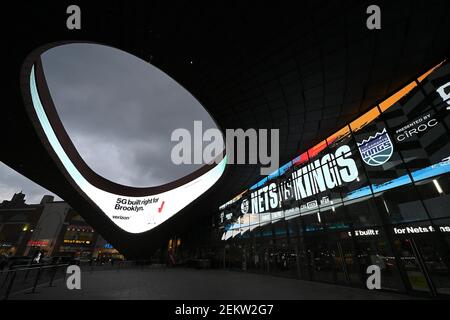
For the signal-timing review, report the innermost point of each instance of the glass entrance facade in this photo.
(376, 192)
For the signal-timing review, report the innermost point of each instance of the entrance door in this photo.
(413, 266)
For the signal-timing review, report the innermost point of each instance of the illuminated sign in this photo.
(38, 243)
(72, 241)
(365, 233)
(418, 126)
(80, 228)
(420, 229)
(445, 95)
(134, 210)
(331, 171)
(245, 206)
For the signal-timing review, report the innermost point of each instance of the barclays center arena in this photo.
(358, 92)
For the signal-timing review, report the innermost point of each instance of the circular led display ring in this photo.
(134, 210)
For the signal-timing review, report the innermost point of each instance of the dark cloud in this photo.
(120, 112)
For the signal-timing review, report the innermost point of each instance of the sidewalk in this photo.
(192, 284)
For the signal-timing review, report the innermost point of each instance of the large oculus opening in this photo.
(106, 117)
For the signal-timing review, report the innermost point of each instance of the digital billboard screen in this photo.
(402, 140)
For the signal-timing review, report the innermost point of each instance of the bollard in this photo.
(10, 286)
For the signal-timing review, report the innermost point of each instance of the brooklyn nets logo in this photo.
(244, 206)
(376, 150)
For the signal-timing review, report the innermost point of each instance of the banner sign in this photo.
(393, 137)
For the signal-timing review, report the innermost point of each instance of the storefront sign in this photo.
(38, 243)
(444, 92)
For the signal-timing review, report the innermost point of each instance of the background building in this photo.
(51, 227)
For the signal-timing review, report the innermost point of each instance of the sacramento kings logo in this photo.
(244, 206)
(376, 150)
